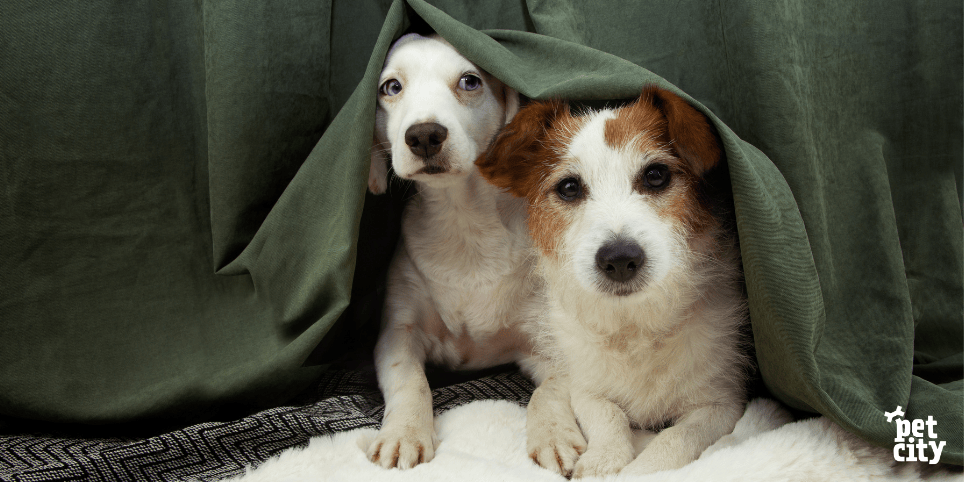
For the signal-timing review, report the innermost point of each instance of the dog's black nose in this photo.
(620, 260)
(425, 139)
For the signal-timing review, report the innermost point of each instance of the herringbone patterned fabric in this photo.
(342, 400)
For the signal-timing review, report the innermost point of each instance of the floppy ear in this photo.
(511, 103)
(690, 133)
(378, 171)
(514, 160)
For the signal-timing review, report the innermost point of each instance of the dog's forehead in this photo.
(592, 156)
(634, 126)
(614, 142)
(425, 55)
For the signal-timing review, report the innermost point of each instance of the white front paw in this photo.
(556, 447)
(601, 462)
(403, 447)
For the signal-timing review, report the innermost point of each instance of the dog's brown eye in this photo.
(470, 82)
(569, 189)
(656, 176)
(390, 87)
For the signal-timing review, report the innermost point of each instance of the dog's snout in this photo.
(425, 139)
(620, 260)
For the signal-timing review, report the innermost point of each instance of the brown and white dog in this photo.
(643, 278)
(461, 290)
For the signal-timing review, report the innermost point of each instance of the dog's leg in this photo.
(607, 430)
(406, 438)
(553, 439)
(683, 443)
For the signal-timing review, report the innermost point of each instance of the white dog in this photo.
(642, 276)
(460, 291)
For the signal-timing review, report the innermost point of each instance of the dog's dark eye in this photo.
(470, 82)
(656, 176)
(569, 189)
(390, 87)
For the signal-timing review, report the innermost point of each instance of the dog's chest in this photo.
(477, 294)
(478, 274)
(650, 375)
(479, 322)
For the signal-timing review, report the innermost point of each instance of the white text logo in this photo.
(911, 442)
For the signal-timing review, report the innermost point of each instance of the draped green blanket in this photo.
(176, 233)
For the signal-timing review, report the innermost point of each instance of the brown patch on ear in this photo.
(515, 159)
(521, 159)
(671, 124)
(692, 137)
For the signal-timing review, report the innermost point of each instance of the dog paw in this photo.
(599, 463)
(556, 448)
(403, 448)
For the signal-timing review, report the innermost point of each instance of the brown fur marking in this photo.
(636, 122)
(395, 455)
(547, 219)
(516, 159)
(522, 159)
(681, 201)
(692, 135)
(660, 119)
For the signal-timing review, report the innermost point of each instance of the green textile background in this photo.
(176, 233)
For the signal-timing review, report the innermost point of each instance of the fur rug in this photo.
(485, 441)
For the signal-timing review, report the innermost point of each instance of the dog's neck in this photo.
(462, 194)
(468, 198)
(471, 210)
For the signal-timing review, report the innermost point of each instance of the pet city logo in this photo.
(910, 436)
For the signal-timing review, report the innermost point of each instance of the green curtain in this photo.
(183, 188)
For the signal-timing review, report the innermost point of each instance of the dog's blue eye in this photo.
(569, 189)
(470, 82)
(390, 87)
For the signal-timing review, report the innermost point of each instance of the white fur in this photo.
(484, 441)
(461, 292)
(667, 351)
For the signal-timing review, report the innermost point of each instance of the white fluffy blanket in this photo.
(485, 441)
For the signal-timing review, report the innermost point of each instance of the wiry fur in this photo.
(664, 346)
(461, 290)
